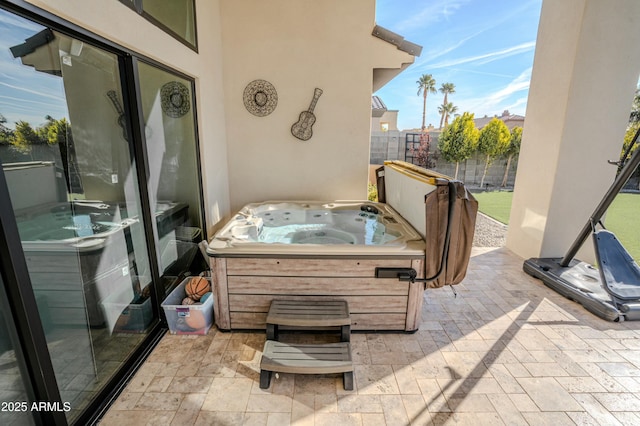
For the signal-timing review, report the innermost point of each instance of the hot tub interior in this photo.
(316, 223)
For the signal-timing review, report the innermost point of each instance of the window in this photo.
(170, 136)
(176, 17)
(75, 195)
(93, 222)
(384, 126)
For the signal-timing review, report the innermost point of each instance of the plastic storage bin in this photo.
(187, 319)
(127, 317)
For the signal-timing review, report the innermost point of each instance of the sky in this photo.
(484, 47)
(25, 94)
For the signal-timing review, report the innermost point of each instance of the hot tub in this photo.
(317, 250)
(316, 228)
(80, 253)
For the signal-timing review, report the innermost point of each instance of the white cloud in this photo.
(434, 11)
(487, 57)
(515, 107)
(493, 74)
(519, 84)
(14, 101)
(14, 21)
(34, 92)
(492, 102)
(7, 76)
(422, 63)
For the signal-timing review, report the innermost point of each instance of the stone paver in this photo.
(505, 350)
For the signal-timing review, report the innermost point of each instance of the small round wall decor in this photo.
(174, 98)
(260, 98)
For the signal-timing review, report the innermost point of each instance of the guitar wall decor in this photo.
(302, 129)
(122, 121)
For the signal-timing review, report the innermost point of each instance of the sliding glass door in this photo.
(99, 151)
(66, 151)
(174, 181)
(13, 385)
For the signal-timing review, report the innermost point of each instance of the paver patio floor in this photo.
(506, 350)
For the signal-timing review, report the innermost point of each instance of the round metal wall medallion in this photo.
(260, 98)
(175, 99)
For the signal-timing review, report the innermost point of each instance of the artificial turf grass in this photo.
(622, 218)
(495, 204)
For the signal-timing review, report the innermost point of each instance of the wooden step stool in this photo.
(309, 313)
(325, 358)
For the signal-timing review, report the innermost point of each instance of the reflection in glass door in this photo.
(66, 155)
(174, 182)
(12, 385)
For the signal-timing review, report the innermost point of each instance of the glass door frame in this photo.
(28, 331)
(141, 152)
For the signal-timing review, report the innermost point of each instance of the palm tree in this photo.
(426, 84)
(446, 88)
(446, 110)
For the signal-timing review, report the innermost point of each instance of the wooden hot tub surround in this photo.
(245, 287)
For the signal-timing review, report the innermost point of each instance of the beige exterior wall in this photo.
(116, 22)
(584, 76)
(298, 46)
(390, 117)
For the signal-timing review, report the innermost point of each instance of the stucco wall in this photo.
(584, 75)
(298, 46)
(390, 117)
(116, 22)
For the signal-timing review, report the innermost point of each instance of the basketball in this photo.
(188, 301)
(196, 287)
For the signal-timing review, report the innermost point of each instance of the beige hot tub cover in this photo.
(449, 206)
